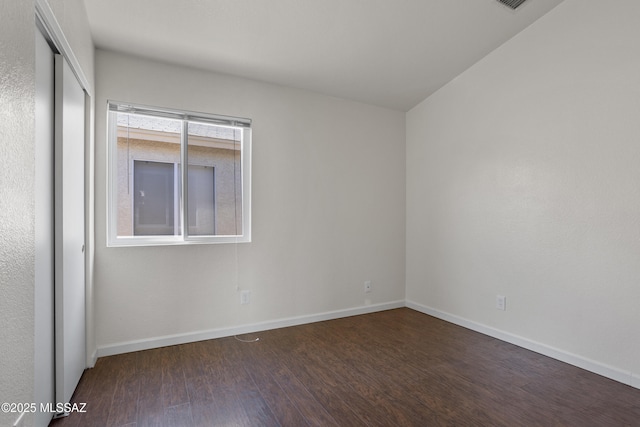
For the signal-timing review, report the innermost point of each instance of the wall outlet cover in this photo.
(368, 287)
(245, 297)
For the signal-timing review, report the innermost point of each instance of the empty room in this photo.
(347, 212)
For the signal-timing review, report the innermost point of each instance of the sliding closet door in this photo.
(44, 373)
(69, 228)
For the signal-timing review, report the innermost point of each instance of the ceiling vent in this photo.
(513, 4)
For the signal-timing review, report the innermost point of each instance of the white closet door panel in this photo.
(70, 231)
(44, 373)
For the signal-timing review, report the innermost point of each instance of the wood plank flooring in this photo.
(393, 368)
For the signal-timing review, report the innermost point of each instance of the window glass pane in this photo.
(214, 180)
(148, 152)
(154, 199)
(201, 208)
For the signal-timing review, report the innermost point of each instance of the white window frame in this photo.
(243, 125)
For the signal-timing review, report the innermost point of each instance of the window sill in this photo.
(177, 241)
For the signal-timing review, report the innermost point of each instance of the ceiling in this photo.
(390, 53)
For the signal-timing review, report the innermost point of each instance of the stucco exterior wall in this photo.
(227, 179)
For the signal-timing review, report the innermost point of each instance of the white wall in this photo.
(71, 15)
(523, 179)
(328, 210)
(17, 215)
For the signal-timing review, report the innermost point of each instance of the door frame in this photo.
(44, 336)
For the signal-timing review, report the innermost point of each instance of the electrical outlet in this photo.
(367, 286)
(501, 302)
(245, 297)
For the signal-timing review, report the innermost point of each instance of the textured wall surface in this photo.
(17, 214)
(328, 210)
(522, 180)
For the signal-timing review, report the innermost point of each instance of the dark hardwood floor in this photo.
(392, 368)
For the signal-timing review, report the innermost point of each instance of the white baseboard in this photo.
(635, 380)
(613, 373)
(625, 377)
(168, 340)
(93, 358)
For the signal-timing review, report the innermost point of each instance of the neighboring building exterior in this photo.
(149, 187)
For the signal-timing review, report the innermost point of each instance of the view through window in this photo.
(152, 201)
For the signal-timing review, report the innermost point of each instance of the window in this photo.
(153, 200)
